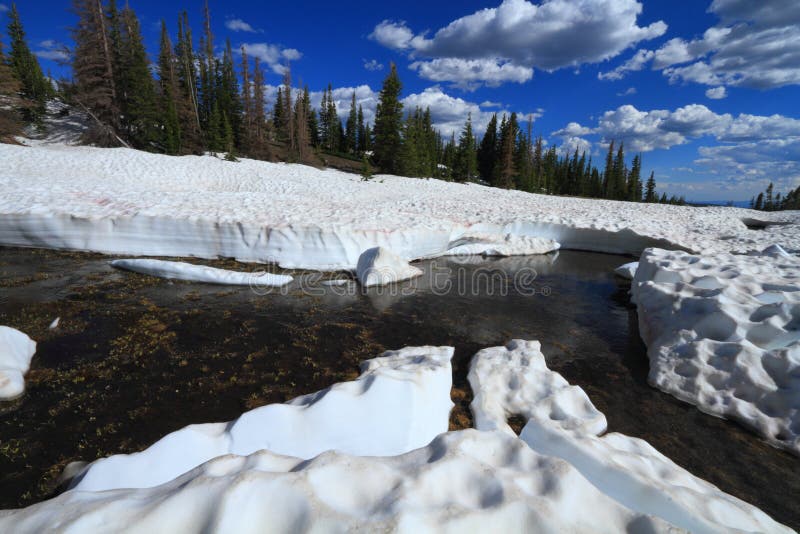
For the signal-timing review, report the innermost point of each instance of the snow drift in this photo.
(16, 351)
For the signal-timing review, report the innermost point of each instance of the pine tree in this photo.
(351, 130)
(768, 200)
(760, 201)
(504, 169)
(10, 88)
(388, 124)
(288, 110)
(301, 112)
(487, 152)
(228, 95)
(92, 68)
(278, 118)
(260, 148)
(186, 103)
(634, 185)
(168, 91)
(313, 122)
(247, 104)
(608, 173)
(136, 88)
(361, 133)
(650, 190)
(466, 160)
(25, 66)
(619, 191)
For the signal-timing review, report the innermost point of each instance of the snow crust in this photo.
(177, 270)
(127, 202)
(16, 351)
(627, 270)
(379, 266)
(400, 402)
(723, 333)
(563, 423)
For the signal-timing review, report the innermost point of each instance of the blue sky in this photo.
(706, 90)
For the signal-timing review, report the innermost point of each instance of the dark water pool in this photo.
(135, 357)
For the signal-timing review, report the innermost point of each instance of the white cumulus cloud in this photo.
(238, 25)
(506, 43)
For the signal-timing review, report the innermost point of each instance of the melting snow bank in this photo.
(563, 423)
(723, 333)
(16, 351)
(559, 477)
(126, 202)
(176, 270)
(400, 402)
(378, 266)
(499, 245)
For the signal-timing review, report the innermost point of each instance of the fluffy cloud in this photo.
(469, 74)
(627, 92)
(757, 45)
(748, 146)
(506, 43)
(373, 65)
(637, 62)
(716, 93)
(52, 50)
(3, 8)
(238, 25)
(273, 55)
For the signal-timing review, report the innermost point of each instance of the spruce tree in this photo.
(92, 69)
(466, 161)
(608, 173)
(260, 148)
(10, 88)
(136, 89)
(186, 103)
(25, 66)
(351, 130)
(487, 152)
(168, 93)
(504, 169)
(278, 113)
(650, 189)
(361, 133)
(388, 124)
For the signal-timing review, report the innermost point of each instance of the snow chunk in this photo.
(563, 423)
(16, 351)
(379, 266)
(54, 324)
(400, 402)
(177, 270)
(461, 482)
(723, 333)
(628, 270)
(515, 380)
(499, 245)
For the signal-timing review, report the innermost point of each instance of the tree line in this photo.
(195, 100)
(769, 200)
